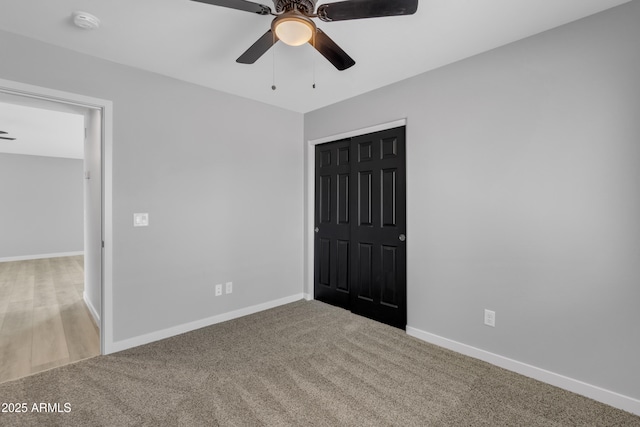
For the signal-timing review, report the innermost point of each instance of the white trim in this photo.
(310, 165)
(106, 300)
(106, 108)
(40, 256)
(307, 296)
(600, 394)
(358, 132)
(38, 92)
(197, 324)
(92, 309)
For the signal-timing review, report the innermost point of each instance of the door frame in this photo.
(309, 234)
(106, 112)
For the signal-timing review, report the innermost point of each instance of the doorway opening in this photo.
(94, 266)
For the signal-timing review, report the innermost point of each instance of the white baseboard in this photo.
(191, 326)
(308, 297)
(612, 398)
(92, 309)
(40, 256)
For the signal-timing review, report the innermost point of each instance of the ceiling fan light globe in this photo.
(294, 32)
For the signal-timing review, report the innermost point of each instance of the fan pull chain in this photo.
(314, 74)
(273, 53)
(314, 63)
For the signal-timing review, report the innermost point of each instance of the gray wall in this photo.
(41, 205)
(219, 175)
(523, 189)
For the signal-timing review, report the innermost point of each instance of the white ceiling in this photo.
(199, 43)
(41, 128)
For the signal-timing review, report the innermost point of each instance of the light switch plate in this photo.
(140, 219)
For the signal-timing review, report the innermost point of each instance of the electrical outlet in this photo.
(489, 318)
(140, 219)
(218, 290)
(229, 287)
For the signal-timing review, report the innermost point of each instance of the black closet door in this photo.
(332, 223)
(378, 255)
(360, 198)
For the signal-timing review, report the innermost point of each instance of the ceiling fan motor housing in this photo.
(304, 6)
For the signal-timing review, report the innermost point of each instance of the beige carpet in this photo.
(301, 364)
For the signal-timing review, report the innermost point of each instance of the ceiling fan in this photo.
(5, 137)
(293, 25)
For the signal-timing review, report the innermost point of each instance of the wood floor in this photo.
(44, 322)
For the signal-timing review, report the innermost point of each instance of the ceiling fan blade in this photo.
(2, 132)
(330, 50)
(247, 6)
(258, 49)
(359, 9)
(4, 137)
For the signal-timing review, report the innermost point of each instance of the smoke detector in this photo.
(85, 20)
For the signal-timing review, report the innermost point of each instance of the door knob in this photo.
(316, 229)
(402, 237)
